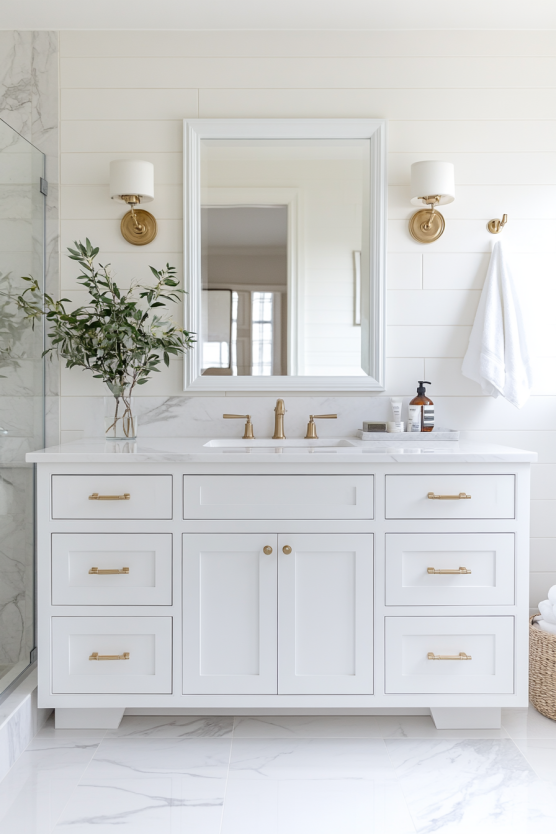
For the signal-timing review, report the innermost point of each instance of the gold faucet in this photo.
(279, 412)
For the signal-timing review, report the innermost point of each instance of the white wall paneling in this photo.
(490, 111)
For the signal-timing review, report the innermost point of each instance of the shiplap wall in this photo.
(482, 100)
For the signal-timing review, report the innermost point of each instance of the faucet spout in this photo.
(279, 412)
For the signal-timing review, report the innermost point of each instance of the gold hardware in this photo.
(99, 571)
(459, 570)
(137, 227)
(312, 429)
(96, 497)
(248, 433)
(496, 226)
(279, 412)
(427, 225)
(97, 656)
(460, 656)
(286, 549)
(267, 549)
(459, 497)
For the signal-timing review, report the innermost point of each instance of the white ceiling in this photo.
(245, 226)
(278, 14)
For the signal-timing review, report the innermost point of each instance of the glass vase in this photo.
(120, 419)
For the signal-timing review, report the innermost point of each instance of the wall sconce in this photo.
(432, 184)
(132, 182)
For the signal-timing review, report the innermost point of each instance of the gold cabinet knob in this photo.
(286, 549)
(267, 550)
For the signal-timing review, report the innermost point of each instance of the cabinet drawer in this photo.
(146, 640)
(492, 496)
(83, 566)
(112, 496)
(488, 559)
(487, 641)
(278, 496)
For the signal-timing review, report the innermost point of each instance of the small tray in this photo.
(411, 436)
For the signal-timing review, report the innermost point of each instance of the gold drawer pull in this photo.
(97, 656)
(96, 497)
(99, 571)
(459, 497)
(460, 656)
(267, 549)
(458, 571)
(286, 549)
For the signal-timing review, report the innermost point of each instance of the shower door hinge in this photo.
(43, 187)
(33, 655)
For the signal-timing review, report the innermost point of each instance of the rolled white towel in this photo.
(547, 612)
(552, 595)
(548, 627)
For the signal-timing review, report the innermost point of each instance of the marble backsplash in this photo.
(202, 416)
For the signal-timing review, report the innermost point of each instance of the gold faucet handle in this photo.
(248, 433)
(312, 429)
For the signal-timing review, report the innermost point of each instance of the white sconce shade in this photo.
(432, 178)
(132, 177)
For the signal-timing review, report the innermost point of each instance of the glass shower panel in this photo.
(22, 208)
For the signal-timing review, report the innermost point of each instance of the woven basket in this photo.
(542, 670)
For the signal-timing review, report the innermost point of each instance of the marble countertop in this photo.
(195, 450)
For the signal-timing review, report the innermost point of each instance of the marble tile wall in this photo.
(29, 94)
(29, 103)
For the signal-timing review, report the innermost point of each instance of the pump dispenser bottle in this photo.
(426, 407)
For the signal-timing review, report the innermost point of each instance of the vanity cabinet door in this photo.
(229, 614)
(325, 614)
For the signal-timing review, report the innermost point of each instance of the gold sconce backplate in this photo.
(421, 220)
(130, 231)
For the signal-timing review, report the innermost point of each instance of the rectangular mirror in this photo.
(284, 254)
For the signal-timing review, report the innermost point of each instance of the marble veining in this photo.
(476, 785)
(360, 774)
(29, 103)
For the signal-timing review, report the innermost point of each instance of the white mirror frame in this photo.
(372, 305)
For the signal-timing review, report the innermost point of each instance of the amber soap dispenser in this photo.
(426, 406)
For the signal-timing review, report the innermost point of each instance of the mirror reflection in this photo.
(284, 256)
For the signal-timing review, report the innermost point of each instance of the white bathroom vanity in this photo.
(322, 576)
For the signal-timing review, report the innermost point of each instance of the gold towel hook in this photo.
(495, 226)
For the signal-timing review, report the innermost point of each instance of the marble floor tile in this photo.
(139, 758)
(49, 731)
(35, 791)
(160, 805)
(469, 786)
(541, 755)
(527, 723)
(326, 785)
(328, 806)
(310, 758)
(173, 726)
(350, 726)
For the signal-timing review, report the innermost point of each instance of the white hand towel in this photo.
(497, 356)
(552, 595)
(547, 612)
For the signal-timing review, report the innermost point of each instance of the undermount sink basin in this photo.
(269, 445)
